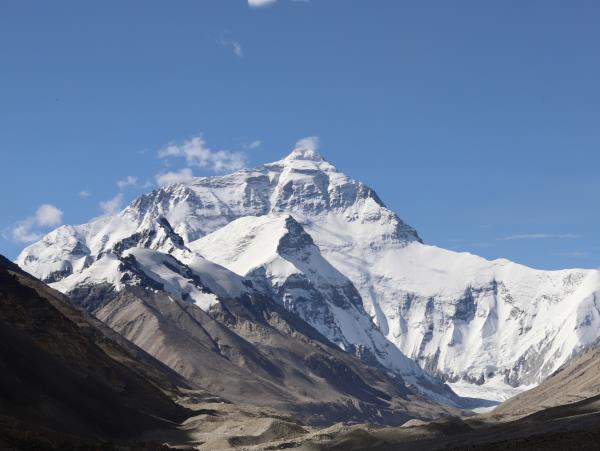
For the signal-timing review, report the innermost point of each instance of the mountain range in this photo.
(326, 248)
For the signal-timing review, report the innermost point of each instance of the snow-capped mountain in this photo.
(326, 246)
(280, 259)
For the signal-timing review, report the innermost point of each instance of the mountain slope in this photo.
(485, 325)
(464, 318)
(277, 250)
(576, 384)
(254, 353)
(61, 373)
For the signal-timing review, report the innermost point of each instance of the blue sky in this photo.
(477, 122)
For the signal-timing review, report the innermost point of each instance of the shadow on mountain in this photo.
(64, 380)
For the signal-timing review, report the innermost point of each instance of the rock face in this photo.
(460, 317)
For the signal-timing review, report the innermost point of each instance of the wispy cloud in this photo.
(260, 3)
(169, 178)
(197, 153)
(84, 194)
(481, 244)
(130, 180)
(573, 254)
(27, 230)
(540, 236)
(254, 144)
(231, 44)
(112, 206)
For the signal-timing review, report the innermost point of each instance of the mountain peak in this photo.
(304, 154)
(306, 149)
(295, 236)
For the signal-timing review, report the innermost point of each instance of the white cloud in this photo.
(84, 194)
(196, 153)
(260, 3)
(254, 144)
(540, 236)
(225, 161)
(45, 216)
(130, 180)
(308, 143)
(22, 232)
(169, 178)
(112, 206)
(48, 215)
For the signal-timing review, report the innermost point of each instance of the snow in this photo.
(255, 242)
(456, 314)
(104, 271)
(419, 294)
(224, 283)
(494, 390)
(160, 266)
(217, 281)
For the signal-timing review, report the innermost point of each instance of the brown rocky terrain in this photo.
(577, 382)
(253, 352)
(62, 375)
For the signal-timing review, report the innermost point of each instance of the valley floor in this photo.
(494, 390)
(225, 427)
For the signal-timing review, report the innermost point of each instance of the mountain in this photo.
(327, 248)
(576, 386)
(167, 305)
(67, 378)
(221, 335)
(253, 352)
(276, 249)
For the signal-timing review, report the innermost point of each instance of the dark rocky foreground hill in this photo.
(66, 379)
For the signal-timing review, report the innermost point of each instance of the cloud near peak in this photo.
(170, 178)
(310, 143)
(197, 153)
(28, 229)
(130, 180)
(112, 206)
(48, 215)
